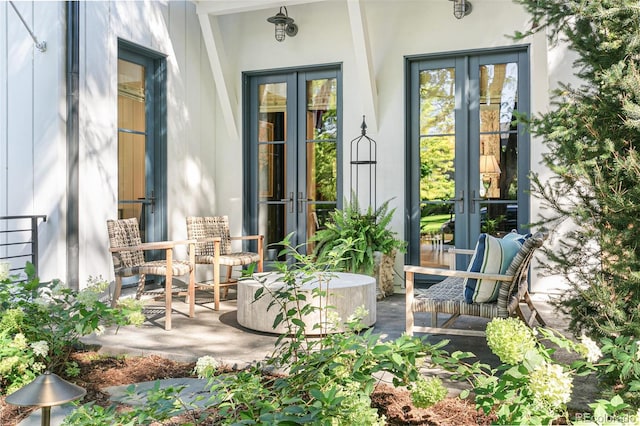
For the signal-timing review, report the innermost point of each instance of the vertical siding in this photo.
(170, 28)
(4, 99)
(32, 123)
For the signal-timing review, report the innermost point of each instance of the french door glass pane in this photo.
(498, 96)
(437, 154)
(321, 153)
(272, 162)
(132, 141)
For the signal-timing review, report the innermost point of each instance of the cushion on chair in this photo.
(492, 256)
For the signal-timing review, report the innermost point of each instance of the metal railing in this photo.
(19, 241)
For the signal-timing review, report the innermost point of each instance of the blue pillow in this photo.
(492, 256)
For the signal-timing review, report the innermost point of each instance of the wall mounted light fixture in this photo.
(284, 24)
(461, 8)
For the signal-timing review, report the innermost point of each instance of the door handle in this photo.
(150, 200)
(302, 200)
(290, 201)
(460, 201)
(472, 208)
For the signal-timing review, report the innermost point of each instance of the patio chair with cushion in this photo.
(495, 285)
(127, 252)
(214, 248)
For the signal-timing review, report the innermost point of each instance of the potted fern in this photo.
(363, 240)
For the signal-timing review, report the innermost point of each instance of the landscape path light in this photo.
(46, 391)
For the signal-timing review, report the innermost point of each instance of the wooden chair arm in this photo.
(155, 245)
(453, 273)
(454, 250)
(248, 237)
(209, 240)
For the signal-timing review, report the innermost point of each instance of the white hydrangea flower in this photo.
(40, 348)
(4, 271)
(333, 319)
(42, 302)
(358, 314)
(20, 341)
(87, 297)
(551, 384)
(510, 339)
(136, 318)
(206, 366)
(593, 352)
(38, 366)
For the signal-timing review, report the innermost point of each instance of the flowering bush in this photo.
(425, 392)
(510, 339)
(206, 366)
(530, 387)
(41, 323)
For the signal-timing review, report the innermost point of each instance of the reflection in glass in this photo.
(272, 161)
(132, 141)
(498, 94)
(321, 167)
(437, 154)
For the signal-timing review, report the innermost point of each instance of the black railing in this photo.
(19, 241)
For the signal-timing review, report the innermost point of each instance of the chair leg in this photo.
(116, 291)
(534, 313)
(409, 304)
(140, 289)
(216, 286)
(168, 290)
(191, 293)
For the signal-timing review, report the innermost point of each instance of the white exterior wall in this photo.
(396, 29)
(204, 167)
(33, 165)
(170, 28)
(32, 124)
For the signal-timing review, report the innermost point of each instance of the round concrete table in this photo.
(346, 292)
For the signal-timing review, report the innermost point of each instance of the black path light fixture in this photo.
(461, 8)
(46, 391)
(284, 24)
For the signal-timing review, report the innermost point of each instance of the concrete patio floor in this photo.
(218, 333)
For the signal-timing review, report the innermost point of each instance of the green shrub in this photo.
(41, 324)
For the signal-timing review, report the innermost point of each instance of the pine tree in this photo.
(591, 135)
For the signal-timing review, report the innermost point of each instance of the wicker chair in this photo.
(447, 296)
(214, 248)
(127, 253)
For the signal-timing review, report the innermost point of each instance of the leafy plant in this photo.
(356, 235)
(530, 386)
(41, 324)
(619, 369)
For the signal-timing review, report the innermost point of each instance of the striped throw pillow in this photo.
(492, 256)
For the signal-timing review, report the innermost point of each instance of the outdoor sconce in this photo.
(461, 8)
(488, 166)
(284, 24)
(46, 391)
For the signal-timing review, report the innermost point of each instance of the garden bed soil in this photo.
(99, 371)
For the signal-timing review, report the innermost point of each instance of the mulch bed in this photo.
(99, 371)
